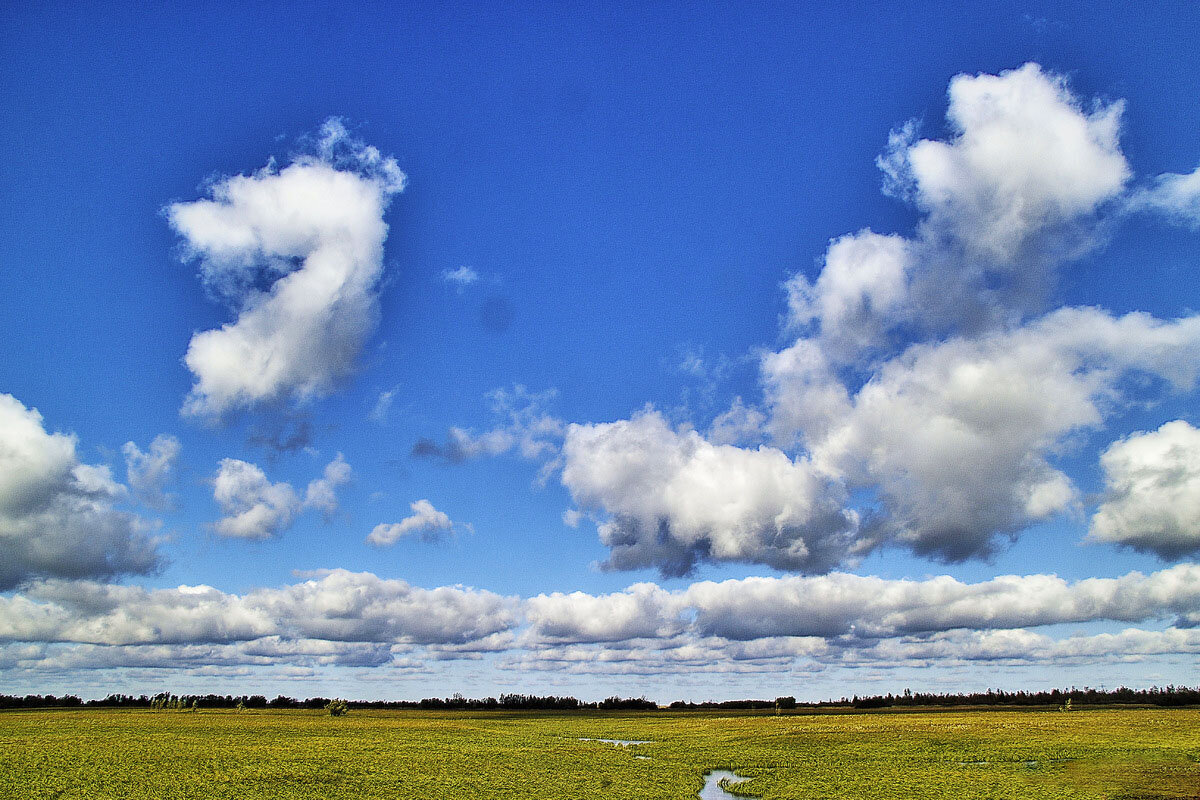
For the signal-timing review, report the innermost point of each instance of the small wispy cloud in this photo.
(383, 405)
(462, 277)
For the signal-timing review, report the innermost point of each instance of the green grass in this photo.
(101, 753)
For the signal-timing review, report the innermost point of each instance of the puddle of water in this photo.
(618, 742)
(712, 785)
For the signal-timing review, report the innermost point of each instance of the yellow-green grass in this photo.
(105, 753)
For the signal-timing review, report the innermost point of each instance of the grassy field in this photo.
(101, 753)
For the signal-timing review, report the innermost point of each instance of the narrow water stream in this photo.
(712, 789)
(712, 785)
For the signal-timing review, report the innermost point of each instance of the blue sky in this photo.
(651, 350)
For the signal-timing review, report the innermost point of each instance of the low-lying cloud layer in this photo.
(750, 625)
(337, 606)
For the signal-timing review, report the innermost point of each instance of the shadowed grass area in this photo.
(107, 753)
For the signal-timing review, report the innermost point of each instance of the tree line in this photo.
(1155, 696)
(166, 700)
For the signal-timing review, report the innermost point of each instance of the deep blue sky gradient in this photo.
(632, 181)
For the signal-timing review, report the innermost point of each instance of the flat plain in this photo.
(1033, 754)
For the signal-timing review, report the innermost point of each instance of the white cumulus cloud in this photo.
(867, 607)
(252, 506)
(673, 498)
(336, 605)
(641, 611)
(58, 516)
(1152, 492)
(298, 252)
(958, 436)
(928, 397)
(1026, 157)
(861, 293)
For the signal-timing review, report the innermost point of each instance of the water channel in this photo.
(712, 785)
(712, 789)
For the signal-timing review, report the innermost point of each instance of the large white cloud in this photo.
(956, 439)
(957, 436)
(298, 251)
(229, 660)
(96, 613)
(774, 625)
(1152, 499)
(673, 498)
(1025, 182)
(1026, 158)
(1026, 647)
(793, 658)
(1016, 190)
(951, 438)
(346, 606)
(58, 517)
(844, 608)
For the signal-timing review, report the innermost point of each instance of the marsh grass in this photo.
(118, 753)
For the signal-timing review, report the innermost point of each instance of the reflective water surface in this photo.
(712, 785)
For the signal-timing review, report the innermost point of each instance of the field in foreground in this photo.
(105, 753)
